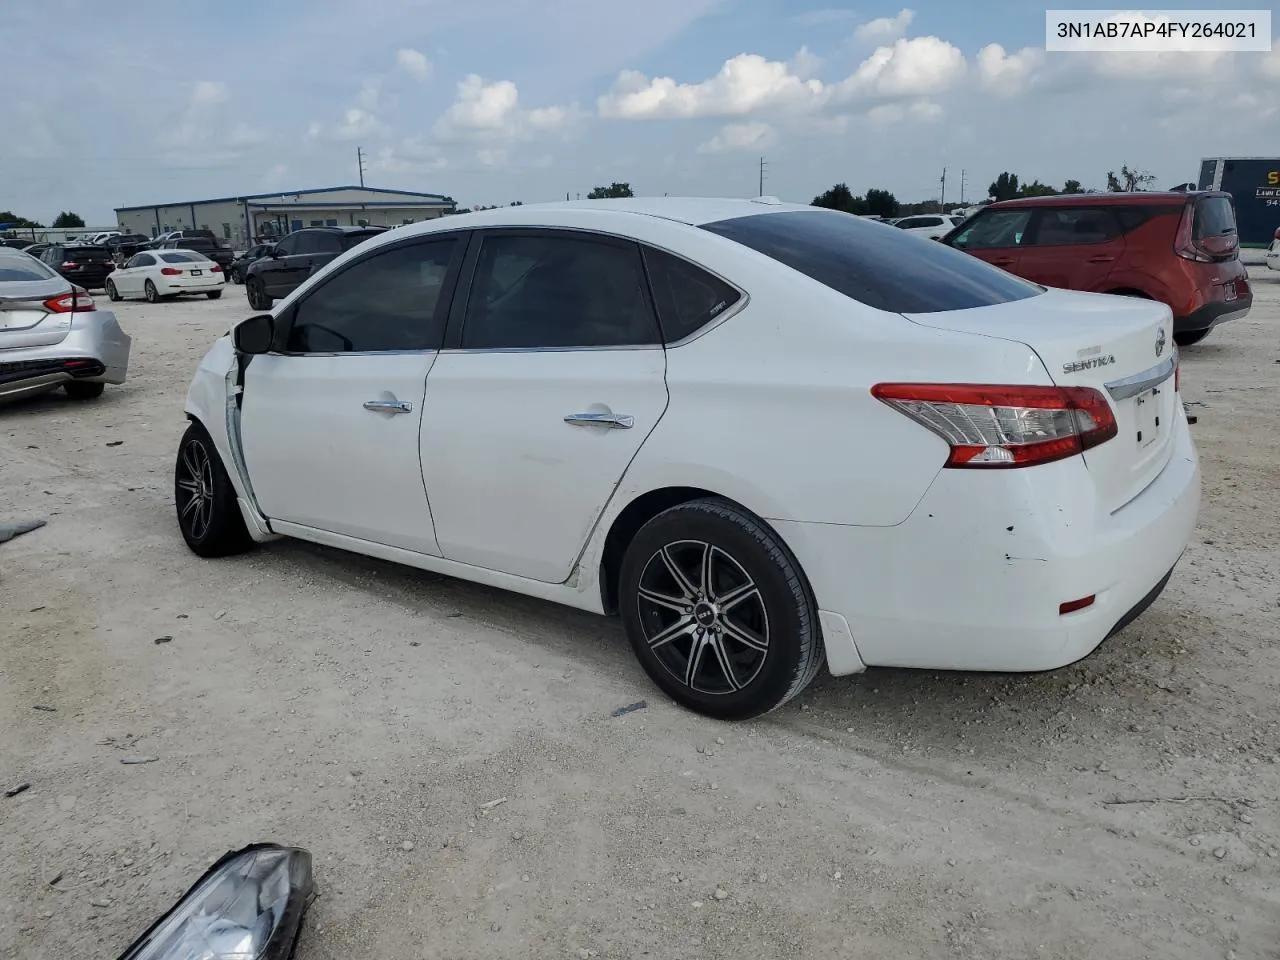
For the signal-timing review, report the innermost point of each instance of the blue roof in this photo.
(438, 197)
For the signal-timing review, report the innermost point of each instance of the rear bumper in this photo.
(973, 579)
(1212, 314)
(95, 339)
(201, 284)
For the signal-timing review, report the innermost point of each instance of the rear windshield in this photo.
(1214, 217)
(175, 256)
(880, 266)
(352, 239)
(23, 269)
(93, 254)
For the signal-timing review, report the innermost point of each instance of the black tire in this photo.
(748, 658)
(235, 276)
(258, 299)
(213, 294)
(208, 514)
(1189, 337)
(112, 293)
(83, 390)
(153, 295)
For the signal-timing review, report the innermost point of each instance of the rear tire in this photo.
(112, 293)
(258, 299)
(718, 612)
(82, 390)
(208, 514)
(153, 295)
(213, 294)
(1189, 337)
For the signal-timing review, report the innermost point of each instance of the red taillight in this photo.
(993, 426)
(70, 303)
(69, 264)
(215, 269)
(1071, 606)
(171, 271)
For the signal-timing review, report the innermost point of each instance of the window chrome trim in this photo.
(1127, 387)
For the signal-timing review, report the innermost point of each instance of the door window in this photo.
(319, 241)
(288, 245)
(548, 290)
(389, 301)
(687, 297)
(1064, 225)
(998, 228)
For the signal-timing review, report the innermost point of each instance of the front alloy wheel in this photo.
(208, 511)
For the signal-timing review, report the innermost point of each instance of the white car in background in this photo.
(1272, 257)
(766, 435)
(158, 274)
(931, 225)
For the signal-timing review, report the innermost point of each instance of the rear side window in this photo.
(354, 239)
(23, 269)
(319, 241)
(1065, 225)
(886, 270)
(687, 297)
(1214, 218)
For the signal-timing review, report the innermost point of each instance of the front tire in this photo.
(112, 293)
(208, 514)
(80, 390)
(718, 611)
(1189, 337)
(153, 295)
(213, 294)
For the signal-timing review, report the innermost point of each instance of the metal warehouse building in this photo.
(239, 221)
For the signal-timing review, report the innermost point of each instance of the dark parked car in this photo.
(241, 263)
(1180, 248)
(125, 246)
(296, 257)
(207, 246)
(84, 264)
(17, 243)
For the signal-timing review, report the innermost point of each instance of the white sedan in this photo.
(160, 274)
(767, 436)
(932, 226)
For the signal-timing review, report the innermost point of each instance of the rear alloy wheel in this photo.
(82, 390)
(208, 513)
(213, 294)
(153, 295)
(718, 612)
(235, 276)
(112, 293)
(1189, 337)
(258, 299)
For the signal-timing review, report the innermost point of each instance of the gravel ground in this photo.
(311, 697)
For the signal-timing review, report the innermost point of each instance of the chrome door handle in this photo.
(618, 421)
(389, 406)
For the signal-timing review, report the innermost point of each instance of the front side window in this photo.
(390, 301)
(287, 245)
(687, 297)
(882, 269)
(993, 230)
(557, 291)
(1065, 225)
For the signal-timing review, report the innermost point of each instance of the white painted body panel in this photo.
(911, 564)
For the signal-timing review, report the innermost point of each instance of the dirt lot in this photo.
(356, 708)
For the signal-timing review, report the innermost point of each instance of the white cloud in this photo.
(370, 92)
(485, 110)
(740, 136)
(411, 155)
(746, 83)
(884, 29)
(1270, 65)
(805, 64)
(356, 123)
(1007, 73)
(413, 63)
(909, 68)
(490, 157)
(209, 93)
(199, 135)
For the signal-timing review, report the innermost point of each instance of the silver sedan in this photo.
(53, 335)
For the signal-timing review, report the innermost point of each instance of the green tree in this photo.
(10, 219)
(614, 190)
(1005, 187)
(1072, 186)
(1036, 189)
(68, 219)
(840, 197)
(882, 203)
(1129, 181)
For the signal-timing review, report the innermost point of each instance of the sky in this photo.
(493, 101)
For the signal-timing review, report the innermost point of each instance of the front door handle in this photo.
(616, 421)
(1101, 259)
(1001, 261)
(389, 406)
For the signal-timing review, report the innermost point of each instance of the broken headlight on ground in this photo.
(247, 906)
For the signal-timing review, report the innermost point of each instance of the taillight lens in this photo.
(215, 269)
(170, 271)
(70, 303)
(69, 264)
(992, 426)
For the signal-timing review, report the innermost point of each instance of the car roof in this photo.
(1143, 197)
(694, 211)
(339, 228)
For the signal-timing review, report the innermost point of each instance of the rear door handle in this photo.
(1002, 262)
(389, 406)
(617, 421)
(1101, 259)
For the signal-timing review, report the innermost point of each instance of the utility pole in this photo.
(360, 162)
(763, 164)
(962, 182)
(942, 204)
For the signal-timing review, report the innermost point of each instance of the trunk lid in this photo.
(24, 320)
(1122, 346)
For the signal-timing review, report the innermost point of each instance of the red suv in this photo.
(1179, 248)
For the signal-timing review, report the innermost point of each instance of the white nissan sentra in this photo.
(767, 436)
